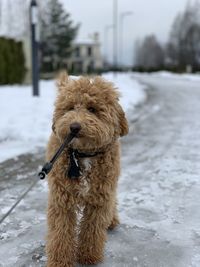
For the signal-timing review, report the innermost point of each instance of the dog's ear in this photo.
(62, 80)
(123, 124)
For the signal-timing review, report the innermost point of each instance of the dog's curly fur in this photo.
(93, 103)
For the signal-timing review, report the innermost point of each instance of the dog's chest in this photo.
(84, 179)
(87, 164)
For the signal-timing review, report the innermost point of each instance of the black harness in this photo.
(74, 169)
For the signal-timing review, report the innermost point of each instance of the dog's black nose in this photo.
(75, 127)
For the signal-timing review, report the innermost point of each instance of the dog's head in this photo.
(90, 109)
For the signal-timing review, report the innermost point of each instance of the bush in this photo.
(12, 61)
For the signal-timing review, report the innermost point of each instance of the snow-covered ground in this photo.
(26, 120)
(183, 76)
(158, 189)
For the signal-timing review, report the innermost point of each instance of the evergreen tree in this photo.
(12, 61)
(57, 34)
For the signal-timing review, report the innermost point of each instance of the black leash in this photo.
(49, 165)
(73, 172)
(17, 202)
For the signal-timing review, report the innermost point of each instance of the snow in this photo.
(125, 83)
(183, 76)
(26, 121)
(85, 41)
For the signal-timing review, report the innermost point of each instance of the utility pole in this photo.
(106, 30)
(115, 35)
(0, 14)
(122, 16)
(34, 46)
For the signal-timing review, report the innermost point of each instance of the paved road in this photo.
(166, 158)
(159, 191)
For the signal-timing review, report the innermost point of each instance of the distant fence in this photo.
(12, 61)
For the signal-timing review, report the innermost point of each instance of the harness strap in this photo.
(74, 170)
(86, 155)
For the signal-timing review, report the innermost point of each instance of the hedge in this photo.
(12, 61)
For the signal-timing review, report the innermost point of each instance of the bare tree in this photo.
(15, 17)
(149, 53)
(183, 47)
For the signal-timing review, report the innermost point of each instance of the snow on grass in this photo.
(26, 121)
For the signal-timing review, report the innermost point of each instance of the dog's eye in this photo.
(91, 109)
(70, 108)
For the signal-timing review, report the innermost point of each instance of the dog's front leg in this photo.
(61, 245)
(93, 234)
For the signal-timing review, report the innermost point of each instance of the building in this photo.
(86, 56)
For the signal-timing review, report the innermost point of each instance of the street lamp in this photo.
(115, 35)
(34, 46)
(106, 30)
(0, 14)
(122, 16)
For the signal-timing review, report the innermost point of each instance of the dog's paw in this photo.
(88, 256)
(114, 223)
(89, 260)
(60, 265)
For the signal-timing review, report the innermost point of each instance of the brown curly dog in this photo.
(83, 182)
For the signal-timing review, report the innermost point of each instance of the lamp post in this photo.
(122, 16)
(106, 30)
(34, 46)
(0, 14)
(115, 35)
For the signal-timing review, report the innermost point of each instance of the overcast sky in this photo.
(149, 16)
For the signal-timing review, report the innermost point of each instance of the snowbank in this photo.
(26, 120)
(132, 91)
